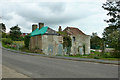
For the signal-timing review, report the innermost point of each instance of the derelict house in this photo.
(46, 40)
(80, 41)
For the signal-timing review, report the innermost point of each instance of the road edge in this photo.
(67, 58)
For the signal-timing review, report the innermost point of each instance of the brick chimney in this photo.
(34, 26)
(40, 25)
(59, 29)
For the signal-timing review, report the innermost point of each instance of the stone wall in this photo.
(35, 43)
(48, 44)
(32, 43)
(79, 43)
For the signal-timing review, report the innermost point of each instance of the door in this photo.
(50, 49)
(60, 48)
(81, 50)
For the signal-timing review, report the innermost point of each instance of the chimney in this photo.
(34, 26)
(40, 25)
(60, 29)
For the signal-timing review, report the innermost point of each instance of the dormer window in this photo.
(73, 38)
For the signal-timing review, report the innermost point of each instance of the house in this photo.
(80, 41)
(45, 40)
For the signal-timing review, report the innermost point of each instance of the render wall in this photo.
(52, 44)
(36, 43)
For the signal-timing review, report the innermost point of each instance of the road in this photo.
(11, 73)
(44, 67)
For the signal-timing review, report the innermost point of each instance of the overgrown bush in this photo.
(26, 41)
(67, 42)
(115, 54)
(17, 39)
(96, 57)
(4, 35)
(20, 39)
(105, 55)
(7, 41)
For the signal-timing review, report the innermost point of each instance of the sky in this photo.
(87, 15)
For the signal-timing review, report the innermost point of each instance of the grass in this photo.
(113, 59)
(97, 55)
(19, 42)
(24, 49)
(6, 46)
(20, 46)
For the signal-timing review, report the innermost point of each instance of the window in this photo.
(73, 38)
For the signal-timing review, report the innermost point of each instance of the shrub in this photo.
(20, 39)
(115, 54)
(4, 35)
(7, 41)
(26, 41)
(96, 52)
(78, 55)
(96, 57)
(106, 55)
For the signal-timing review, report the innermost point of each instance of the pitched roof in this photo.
(51, 32)
(73, 30)
(38, 32)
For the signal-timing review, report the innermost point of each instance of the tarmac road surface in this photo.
(44, 67)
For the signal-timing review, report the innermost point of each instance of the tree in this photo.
(15, 33)
(96, 42)
(111, 33)
(3, 27)
(4, 35)
(3, 30)
(26, 41)
(94, 34)
(114, 39)
(67, 43)
(114, 12)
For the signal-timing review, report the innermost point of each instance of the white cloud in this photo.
(87, 15)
